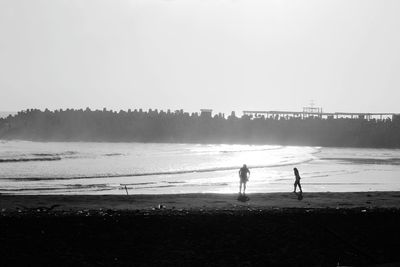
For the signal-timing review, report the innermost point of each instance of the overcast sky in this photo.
(192, 54)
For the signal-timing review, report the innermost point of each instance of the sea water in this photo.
(152, 168)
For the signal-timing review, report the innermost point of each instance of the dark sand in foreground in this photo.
(202, 201)
(322, 229)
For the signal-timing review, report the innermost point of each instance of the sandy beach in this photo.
(322, 229)
(369, 200)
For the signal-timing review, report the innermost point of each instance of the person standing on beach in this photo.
(244, 174)
(297, 181)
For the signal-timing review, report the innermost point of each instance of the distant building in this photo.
(206, 112)
(312, 111)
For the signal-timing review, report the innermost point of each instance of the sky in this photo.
(224, 55)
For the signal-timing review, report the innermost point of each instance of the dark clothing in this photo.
(297, 181)
(243, 174)
(297, 175)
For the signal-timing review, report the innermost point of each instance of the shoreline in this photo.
(206, 201)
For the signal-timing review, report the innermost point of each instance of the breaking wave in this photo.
(387, 161)
(38, 157)
(29, 159)
(175, 172)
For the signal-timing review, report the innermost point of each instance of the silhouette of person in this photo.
(297, 181)
(244, 174)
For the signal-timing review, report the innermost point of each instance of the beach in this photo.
(84, 168)
(332, 200)
(278, 229)
(172, 133)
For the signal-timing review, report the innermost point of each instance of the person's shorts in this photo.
(244, 179)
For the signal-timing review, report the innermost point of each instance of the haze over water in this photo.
(105, 168)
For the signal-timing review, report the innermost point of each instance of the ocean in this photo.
(152, 168)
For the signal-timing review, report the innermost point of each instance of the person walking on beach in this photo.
(297, 181)
(244, 174)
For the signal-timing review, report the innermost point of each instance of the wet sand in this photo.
(202, 201)
(322, 229)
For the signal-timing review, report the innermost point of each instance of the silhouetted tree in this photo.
(180, 126)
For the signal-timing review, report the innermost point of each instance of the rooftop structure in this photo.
(312, 110)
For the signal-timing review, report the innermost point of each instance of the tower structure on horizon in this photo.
(312, 110)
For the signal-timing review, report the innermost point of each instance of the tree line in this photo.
(182, 127)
